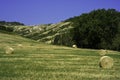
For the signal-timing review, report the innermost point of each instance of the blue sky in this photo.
(31, 12)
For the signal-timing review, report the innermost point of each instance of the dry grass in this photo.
(47, 62)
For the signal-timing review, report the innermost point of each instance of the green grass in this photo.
(38, 61)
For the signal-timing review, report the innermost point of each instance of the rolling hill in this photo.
(45, 33)
(42, 33)
(98, 29)
(40, 61)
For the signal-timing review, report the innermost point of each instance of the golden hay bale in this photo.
(9, 50)
(74, 46)
(106, 62)
(20, 45)
(103, 52)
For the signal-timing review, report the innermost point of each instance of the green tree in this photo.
(97, 29)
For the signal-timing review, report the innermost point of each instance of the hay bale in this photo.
(103, 52)
(106, 62)
(74, 46)
(20, 45)
(9, 50)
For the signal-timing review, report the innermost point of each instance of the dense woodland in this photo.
(99, 29)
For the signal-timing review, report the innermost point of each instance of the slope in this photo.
(39, 61)
(45, 33)
(41, 33)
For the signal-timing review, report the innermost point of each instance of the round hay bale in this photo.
(9, 50)
(74, 46)
(103, 52)
(20, 45)
(106, 62)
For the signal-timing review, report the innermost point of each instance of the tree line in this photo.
(99, 29)
(10, 23)
(8, 26)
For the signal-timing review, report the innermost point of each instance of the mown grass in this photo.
(38, 61)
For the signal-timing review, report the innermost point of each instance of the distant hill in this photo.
(9, 26)
(97, 29)
(48, 33)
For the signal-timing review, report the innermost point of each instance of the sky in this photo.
(34, 12)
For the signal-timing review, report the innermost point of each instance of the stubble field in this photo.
(39, 61)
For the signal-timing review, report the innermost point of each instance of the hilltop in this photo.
(42, 33)
(98, 29)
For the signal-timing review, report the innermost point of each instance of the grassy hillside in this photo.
(45, 33)
(38, 61)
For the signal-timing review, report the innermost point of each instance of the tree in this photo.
(97, 29)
